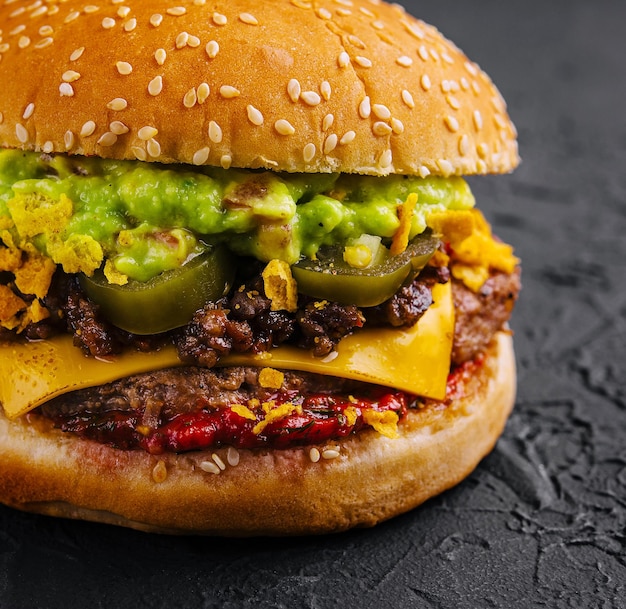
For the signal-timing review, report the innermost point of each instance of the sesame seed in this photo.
(124, 68)
(77, 54)
(190, 98)
(328, 121)
(248, 18)
(347, 137)
(326, 90)
(17, 30)
(219, 19)
(181, 40)
(381, 111)
(47, 147)
(475, 87)
(226, 161)
(284, 127)
(156, 20)
(425, 82)
(193, 41)
(478, 120)
(323, 13)
(212, 48)
(23, 42)
(378, 25)
(397, 125)
(160, 56)
(218, 461)
(117, 104)
(209, 467)
(203, 92)
(471, 68)
(42, 10)
(385, 159)
(343, 60)
(215, 132)
(311, 98)
(331, 143)
(46, 30)
(424, 171)
(155, 86)
(21, 133)
(44, 42)
(140, 153)
(366, 12)
(159, 472)
(147, 133)
(344, 12)
(407, 98)
(130, 25)
(232, 456)
(118, 127)
(314, 455)
(330, 453)
(4, 47)
(66, 90)
(499, 121)
(414, 30)
(294, 89)
(364, 62)
(308, 152)
(107, 139)
(87, 129)
(445, 166)
(434, 54)
(228, 92)
(108, 23)
(254, 116)
(365, 108)
(464, 144)
(91, 8)
(70, 76)
(28, 111)
(481, 166)
(301, 4)
(381, 129)
(423, 52)
(71, 16)
(154, 148)
(451, 123)
(68, 139)
(176, 11)
(404, 61)
(453, 102)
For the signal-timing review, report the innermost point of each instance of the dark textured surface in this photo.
(542, 521)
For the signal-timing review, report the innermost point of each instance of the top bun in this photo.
(355, 86)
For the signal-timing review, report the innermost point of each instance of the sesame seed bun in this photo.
(357, 86)
(369, 479)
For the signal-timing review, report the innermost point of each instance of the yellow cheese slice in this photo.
(416, 360)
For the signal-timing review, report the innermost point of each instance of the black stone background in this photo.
(541, 522)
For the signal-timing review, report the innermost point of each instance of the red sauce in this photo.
(319, 418)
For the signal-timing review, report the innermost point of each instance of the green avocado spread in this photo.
(141, 219)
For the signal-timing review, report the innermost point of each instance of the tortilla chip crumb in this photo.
(385, 423)
(275, 414)
(243, 411)
(280, 286)
(405, 214)
(271, 378)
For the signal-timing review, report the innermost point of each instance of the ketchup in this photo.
(315, 418)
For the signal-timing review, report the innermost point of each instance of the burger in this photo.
(244, 286)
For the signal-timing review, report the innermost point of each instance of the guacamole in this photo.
(139, 219)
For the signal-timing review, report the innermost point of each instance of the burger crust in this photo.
(272, 492)
(286, 85)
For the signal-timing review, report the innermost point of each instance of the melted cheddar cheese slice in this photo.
(416, 360)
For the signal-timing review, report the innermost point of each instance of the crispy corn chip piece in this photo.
(35, 273)
(401, 236)
(10, 306)
(280, 286)
(385, 423)
(271, 378)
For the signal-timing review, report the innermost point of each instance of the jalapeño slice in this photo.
(166, 301)
(331, 278)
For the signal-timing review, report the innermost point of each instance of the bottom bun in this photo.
(268, 492)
